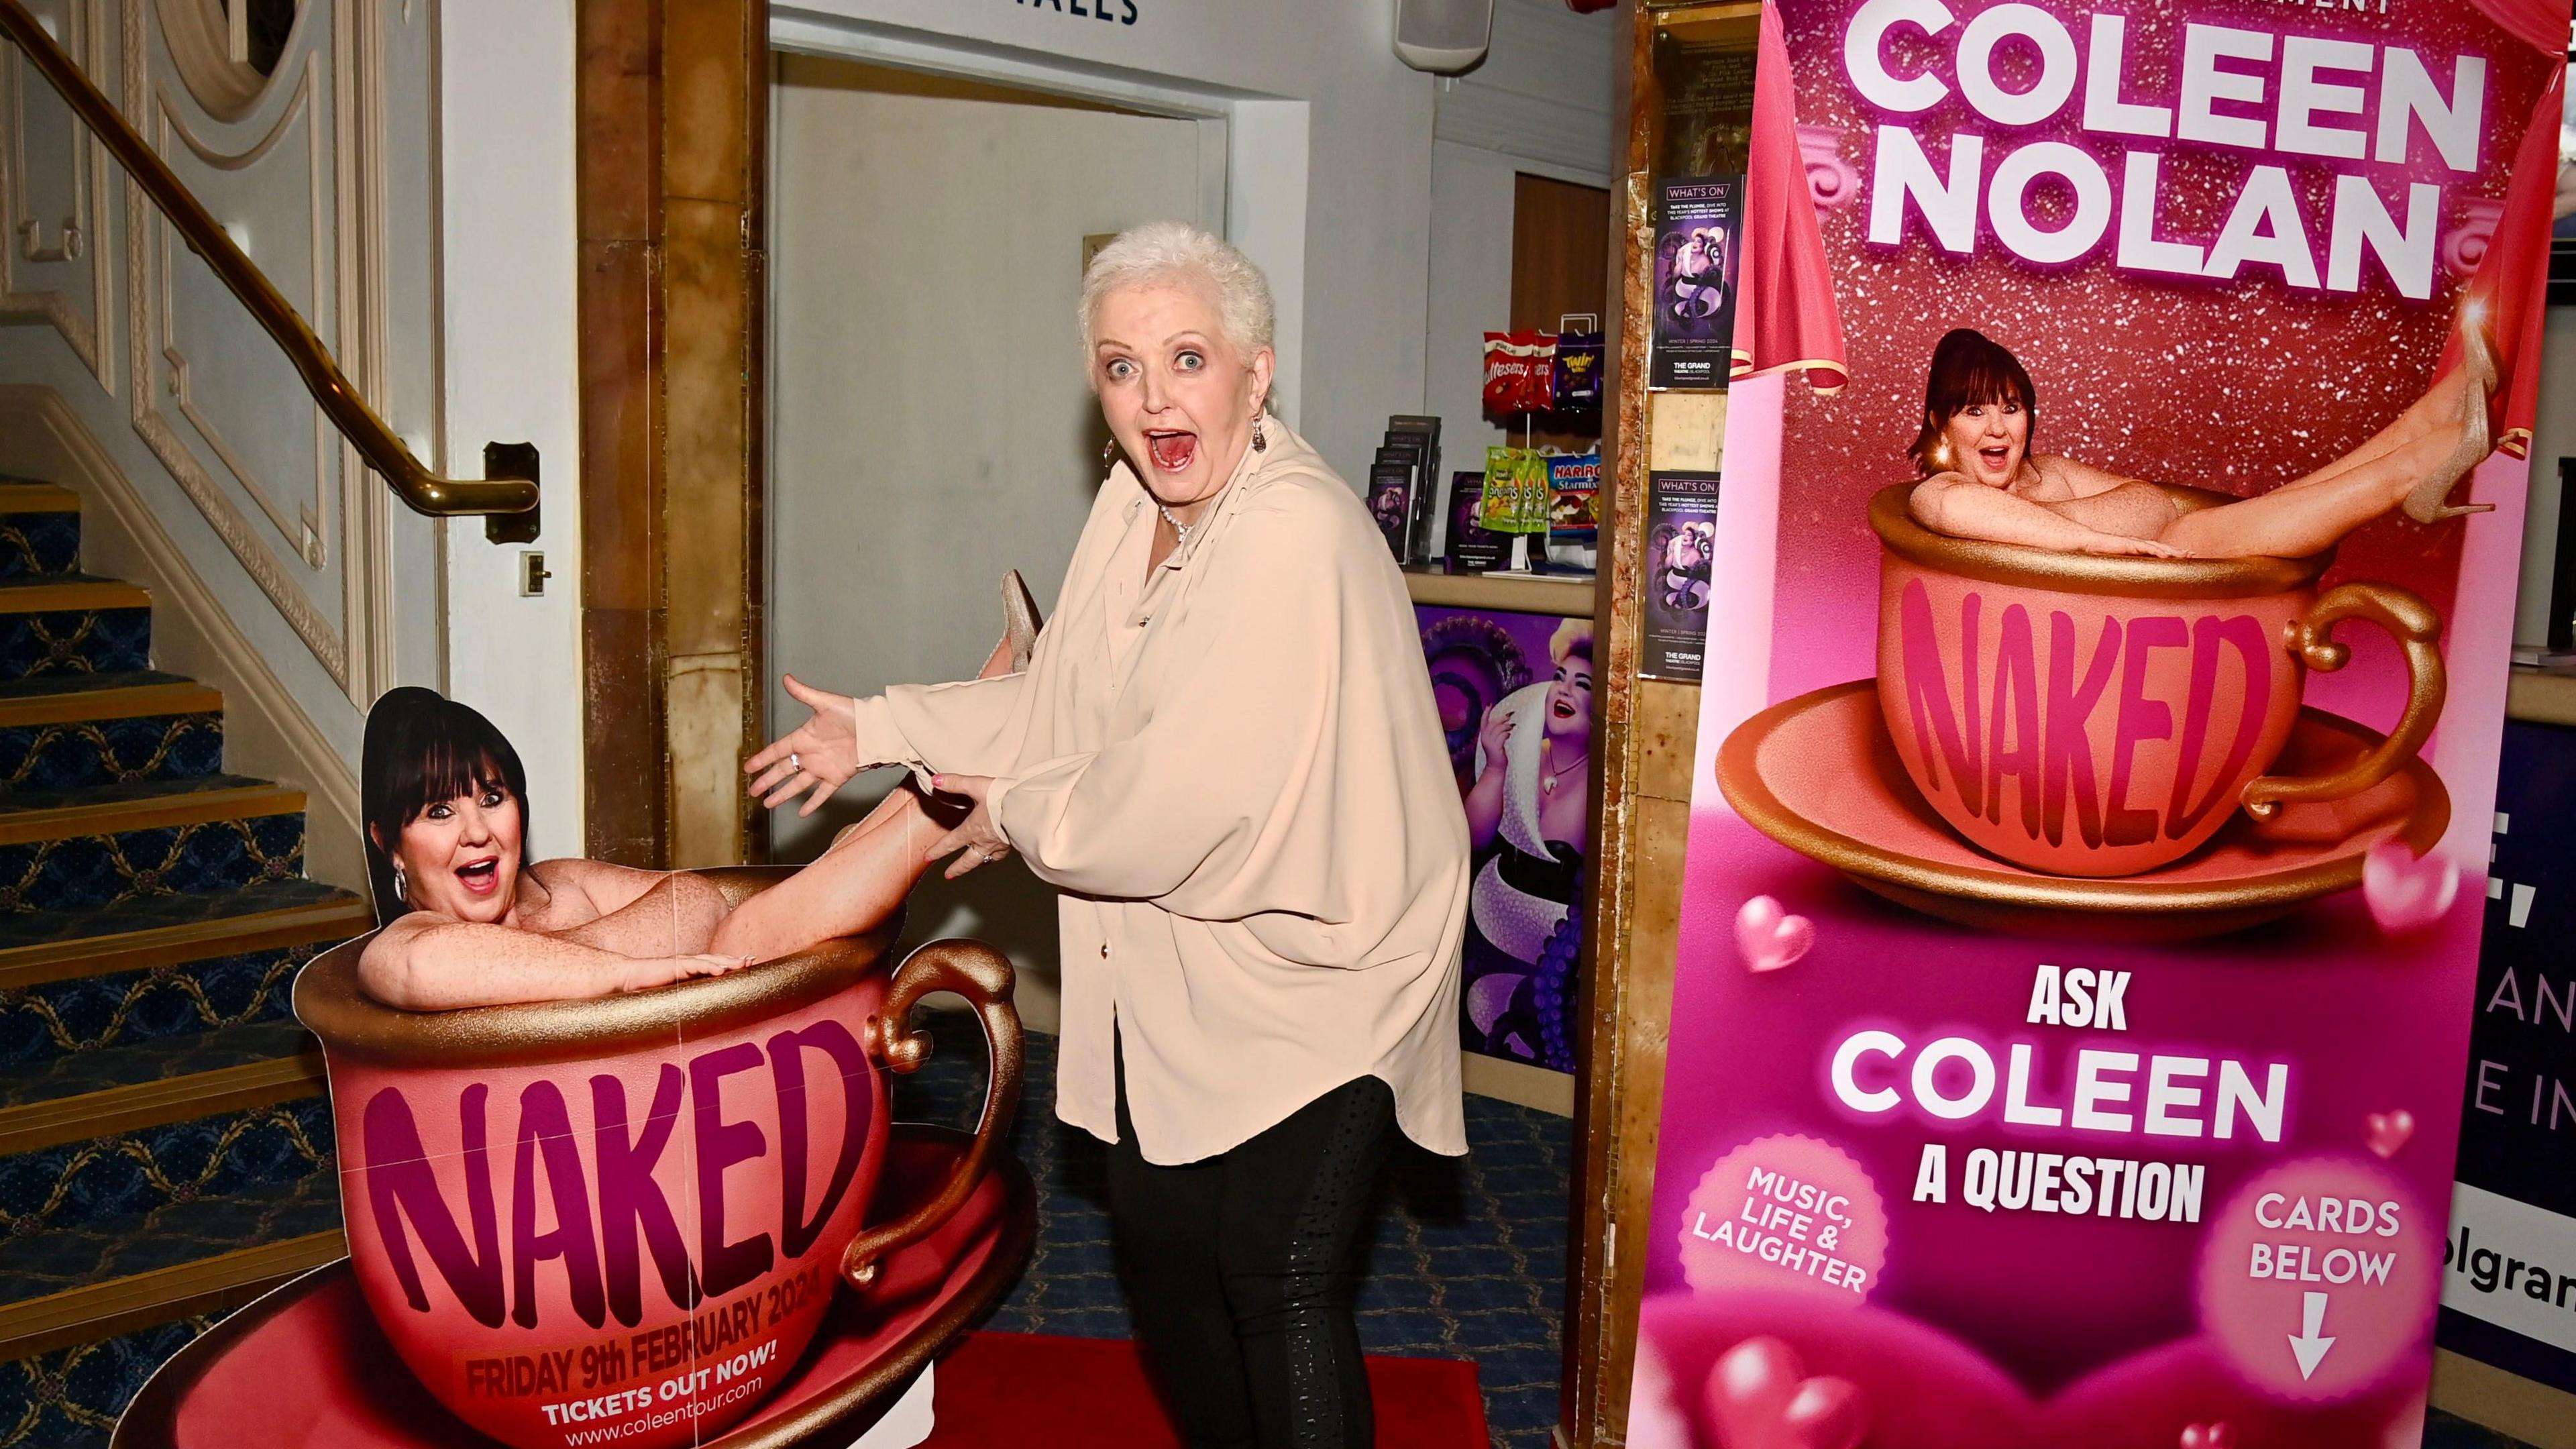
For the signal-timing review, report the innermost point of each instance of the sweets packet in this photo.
(1515, 491)
(1507, 365)
(1573, 511)
(1574, 495)
(1538, 382)
(1520, 373)
(1579, 361)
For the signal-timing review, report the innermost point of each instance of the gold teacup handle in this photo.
(983, 976)
(2419, 629)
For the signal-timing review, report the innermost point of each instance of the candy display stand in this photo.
(1520, 563)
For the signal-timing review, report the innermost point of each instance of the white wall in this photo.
(511, 372)
(413, 361)
(930, 422)
(1471, 294)
(1542, 94)
(1351, 281)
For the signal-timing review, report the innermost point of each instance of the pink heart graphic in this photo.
(1759, 1397)
(2404, 892)
(2385, 1132)
(1770, 937)
(1924, 1389)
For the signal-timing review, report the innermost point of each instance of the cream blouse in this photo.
(1233, 773)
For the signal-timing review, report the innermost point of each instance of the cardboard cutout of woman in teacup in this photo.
(607, 1136)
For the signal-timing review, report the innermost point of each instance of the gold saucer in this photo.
(1819, 775)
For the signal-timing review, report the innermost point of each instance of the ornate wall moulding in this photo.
(73, 232)
(227, 52)
(300, 526)
(145, 244)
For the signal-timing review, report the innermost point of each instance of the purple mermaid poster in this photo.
(1515, 697)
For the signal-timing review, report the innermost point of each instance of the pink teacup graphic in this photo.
(2093, 716)
(630, 1214)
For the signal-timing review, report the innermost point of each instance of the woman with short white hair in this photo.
(1225, 756)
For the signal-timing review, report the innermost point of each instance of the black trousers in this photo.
(1244, 1267)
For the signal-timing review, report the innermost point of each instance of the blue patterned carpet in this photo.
(1467, 1262)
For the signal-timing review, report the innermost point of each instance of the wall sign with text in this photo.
(1110, 12)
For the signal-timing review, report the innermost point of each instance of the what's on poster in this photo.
(1681, 543)
(2099, 743)
(1697, 225)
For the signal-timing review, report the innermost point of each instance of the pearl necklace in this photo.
(1180, 530)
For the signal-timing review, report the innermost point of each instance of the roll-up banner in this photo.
(2090, 834)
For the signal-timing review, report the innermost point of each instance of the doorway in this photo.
(930, 421)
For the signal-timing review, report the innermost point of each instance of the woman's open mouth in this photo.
(1562, 709)
(1172, 452)
(482, 877)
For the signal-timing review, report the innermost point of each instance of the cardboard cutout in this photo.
(624, 1216)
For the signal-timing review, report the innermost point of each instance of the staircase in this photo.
(165, 1147)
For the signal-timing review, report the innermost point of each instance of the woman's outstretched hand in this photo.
(977, 839)
(815, 759)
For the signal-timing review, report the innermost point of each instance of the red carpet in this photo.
(1018, 1390)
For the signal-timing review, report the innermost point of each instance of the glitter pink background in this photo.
(2234, 387)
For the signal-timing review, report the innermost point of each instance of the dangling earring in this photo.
(1109, 454)
(1942, 457)
(1259, 443)
(402, 886)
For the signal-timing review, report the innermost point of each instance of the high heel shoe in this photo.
(1020, 624)
(2425, 502)
(1020, 621)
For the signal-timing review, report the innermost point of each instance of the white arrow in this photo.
(2306, 1344)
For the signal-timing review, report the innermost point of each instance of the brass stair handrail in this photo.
(507, 499)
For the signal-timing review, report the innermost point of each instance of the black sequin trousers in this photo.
(1244, 1267)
